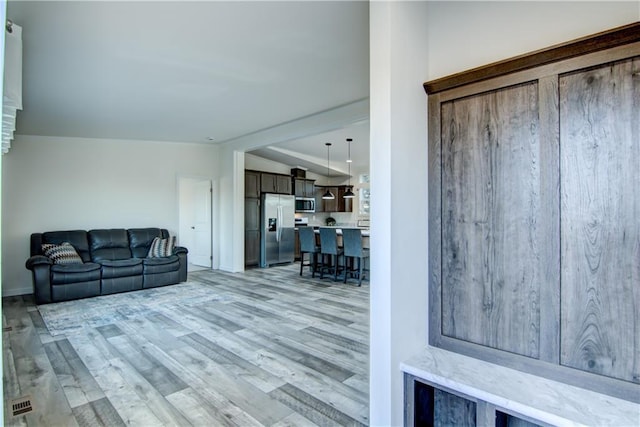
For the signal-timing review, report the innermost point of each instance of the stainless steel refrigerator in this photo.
(277, 237)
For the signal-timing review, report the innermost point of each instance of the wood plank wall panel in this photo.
(600, 221)
(491, 213)
(549, 229)
(452, 410)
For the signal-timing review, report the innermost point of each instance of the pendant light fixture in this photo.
(328, 195)
(349, 194)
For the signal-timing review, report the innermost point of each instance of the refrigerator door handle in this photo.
(279, 222)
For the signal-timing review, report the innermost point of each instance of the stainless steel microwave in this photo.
(305, 204)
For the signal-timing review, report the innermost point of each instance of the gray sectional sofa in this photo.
(107, 261)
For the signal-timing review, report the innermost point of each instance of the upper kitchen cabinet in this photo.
(344, 205)
(275, 183)
(303, 187)
(251, 184)
(534, 238)
(337, 204)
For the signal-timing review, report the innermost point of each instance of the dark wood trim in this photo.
(593, 43)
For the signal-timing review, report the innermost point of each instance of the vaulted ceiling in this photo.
(204, 71)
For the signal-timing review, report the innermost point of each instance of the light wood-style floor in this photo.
(277, 350)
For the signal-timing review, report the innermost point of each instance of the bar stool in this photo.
(308, 246)
(352, 243)
(329, 248)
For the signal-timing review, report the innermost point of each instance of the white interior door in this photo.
(201, 224)
(195, 220)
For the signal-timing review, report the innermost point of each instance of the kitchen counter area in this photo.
(365, 230)
(303, 222)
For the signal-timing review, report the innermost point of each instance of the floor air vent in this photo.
(21, 406)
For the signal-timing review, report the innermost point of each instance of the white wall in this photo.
(468, 34)
(413, 42)
(74, 183)
(264, 165)
(3, 17)
(399, 200)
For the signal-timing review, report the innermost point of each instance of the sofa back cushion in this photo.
(77, 238)
(111, 244)
(140, 239)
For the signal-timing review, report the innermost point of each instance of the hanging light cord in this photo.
(349, 159)
(328, 144)
(328, 195)
(349, 193)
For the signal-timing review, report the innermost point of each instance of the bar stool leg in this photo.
(345, 270)
(301, 262)
(314, 266)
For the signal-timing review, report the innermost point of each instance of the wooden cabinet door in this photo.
(330, 205)
(600, 222)
(309, 188)
(251, 231)
(491, 219)
(283, 184)
(268, 183)
(251, 184)
(251, 248)
(298, 187)
(344, 205)
(534, 230)
(319, 191)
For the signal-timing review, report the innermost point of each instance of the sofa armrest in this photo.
(180, 250)
(40, 266)
(37, 260)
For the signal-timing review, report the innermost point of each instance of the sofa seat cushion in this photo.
(74, 273)
(161, 265)
(71, 291)
(121, 268)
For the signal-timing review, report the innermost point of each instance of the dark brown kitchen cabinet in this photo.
(268, 183)
(331, 205)
(337, 204)
(303, 187)
(251, 184)
(533, 225)
(275, 183)
(344, 205)
(251, 231)
(283, 184)
(319, 191)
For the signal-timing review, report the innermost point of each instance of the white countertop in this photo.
(539, 398)
(365, 231)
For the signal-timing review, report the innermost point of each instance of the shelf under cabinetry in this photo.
(534, 398)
